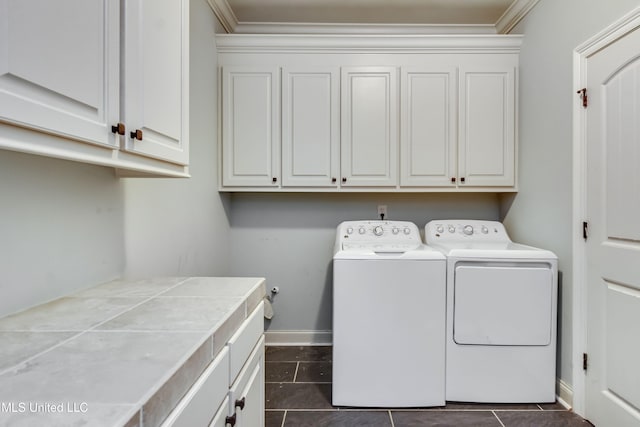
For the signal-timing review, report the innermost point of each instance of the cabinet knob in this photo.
(136, 134)
(333, 180)
(462, 179)
(344, 179)
(119, 129)
(231, 420)
(274, 179)
(453, 179)
(240, 403)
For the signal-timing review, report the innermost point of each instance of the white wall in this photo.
(61, 228)
(180, 226)
(541, 213)
(288, 238)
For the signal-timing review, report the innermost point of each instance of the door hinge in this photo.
(585, 361)
(585, 99)
(585, 230)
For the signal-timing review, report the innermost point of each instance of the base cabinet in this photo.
(230, 392)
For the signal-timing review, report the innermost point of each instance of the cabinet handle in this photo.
(274, 179)
(462, 179)
(119, 129)
(231, 420)
(344, 180)
(453, 179)
(240, 403)
(136, 134)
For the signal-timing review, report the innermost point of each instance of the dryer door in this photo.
(502, 305)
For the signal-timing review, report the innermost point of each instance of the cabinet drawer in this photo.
(220, 419)
(246, 396)
(199, 405)
(242, 342)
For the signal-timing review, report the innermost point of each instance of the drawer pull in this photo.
(240, 403)
(231, 420)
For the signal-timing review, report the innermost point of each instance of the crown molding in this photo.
(351, 43)
(355, 28)
(225, 14)
(514, 14)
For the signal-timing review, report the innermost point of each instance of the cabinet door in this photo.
(156, 78)
(250, 126)
(60, 75)
(310, 127)
(247, 392)
(369, 126)
(487, 126)
(428, 127)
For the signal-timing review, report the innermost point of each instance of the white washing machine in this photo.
(501, 314)
(388, 317)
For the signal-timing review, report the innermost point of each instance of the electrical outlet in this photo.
(382, 211)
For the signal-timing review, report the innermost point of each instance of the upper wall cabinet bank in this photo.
(368, 113)
(103, 82)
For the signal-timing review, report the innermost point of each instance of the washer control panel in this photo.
(376, 232)
(456, 230)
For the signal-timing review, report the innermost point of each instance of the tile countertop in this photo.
(119, 354)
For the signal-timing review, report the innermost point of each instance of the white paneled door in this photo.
(612, 387)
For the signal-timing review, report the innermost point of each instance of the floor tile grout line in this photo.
(284, 418)
(498, 418)
(391, 418)
(295, 375)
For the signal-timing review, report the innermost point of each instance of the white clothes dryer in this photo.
(388, 317)
(501, 314)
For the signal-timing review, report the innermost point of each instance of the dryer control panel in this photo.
(457, 230)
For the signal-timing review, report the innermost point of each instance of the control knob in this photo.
(378, 230)
(349, 230)
(440, 229)
(468, 230)
(407, 230)
(361, 230)
(395, 230)
(485, 230)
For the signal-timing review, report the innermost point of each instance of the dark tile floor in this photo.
(298, 394)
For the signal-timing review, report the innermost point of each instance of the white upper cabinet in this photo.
(369, 126)
(428, 127)
(368, 113)
(155, 102)
(310, 126)
(487, 126)
(59, 67)
(101, 81)
(251, 126)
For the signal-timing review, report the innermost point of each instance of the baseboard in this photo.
(298, 337)
(564, 394)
